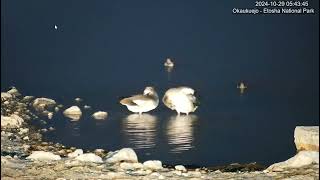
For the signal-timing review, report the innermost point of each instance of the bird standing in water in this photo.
(242, 87)
(145, 102)
(181, 99)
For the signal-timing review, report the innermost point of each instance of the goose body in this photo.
(181, 99)
(145, 102)
(168, 63)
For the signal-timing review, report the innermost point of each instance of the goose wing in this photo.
(136, 100)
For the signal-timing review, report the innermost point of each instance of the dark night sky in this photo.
(100, 37)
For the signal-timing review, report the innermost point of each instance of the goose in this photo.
(145, 102)
(181, 99)
(242, 87)
(168, 63)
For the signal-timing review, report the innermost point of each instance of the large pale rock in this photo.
(5, 96)
(73, 112)
(40, 104)
(152, 165)
(13, 121)
(100, 115)
(43, 156)
(123, 155)
(89, 157)
(303, 158)
(306, 138)
(76, 153)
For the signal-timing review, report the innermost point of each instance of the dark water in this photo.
(101, 53)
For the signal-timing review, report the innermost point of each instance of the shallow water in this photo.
(102, 52)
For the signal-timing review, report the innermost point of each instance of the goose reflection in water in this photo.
(140, 130)
(180, 132)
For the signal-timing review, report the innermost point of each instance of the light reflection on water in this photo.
(140, 130)
(180, 132)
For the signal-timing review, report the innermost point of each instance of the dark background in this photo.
(103, 50)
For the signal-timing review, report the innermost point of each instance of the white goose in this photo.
(145, 102)
(181, 99)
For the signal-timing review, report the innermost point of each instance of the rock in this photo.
(26, 138)
(23, 131)
(14, 92)
(152, 165)
(56, 109)
(40, 104)
(179, 173)
(76, 153)
(5, 96)
(131, 166)
(51, 128)
(73, 112)
(303, 158)
(86, 107)
(306, 138)
(180, 168)
(13, 121)
(100, 115)
(98, 150)
(43, 156)
(78, 99)
(123, 155)
(89, 157)
(27, 98)
(50, 114)
(161, 177)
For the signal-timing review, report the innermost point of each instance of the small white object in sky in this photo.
(55, 27)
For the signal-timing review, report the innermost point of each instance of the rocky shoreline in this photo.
(24, 154)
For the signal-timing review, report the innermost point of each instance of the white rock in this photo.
(86, 107)
(89, 157)
(161, 177)
(152, 165)
(303, 158)
(23, 131)
(13, 121)
(131, 166)
(14, 92)
(41, 103)
(27, 98)
(99, 150)
(50, 114)
(43, 156)
(73, 112)
(5, 96)
(180, 168)
(26, 138)
(307, 138)
(123, 155)
(78, 99)
(75, 153)
(56, 109)
(100, 115)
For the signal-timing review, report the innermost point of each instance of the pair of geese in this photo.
(180, 99)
